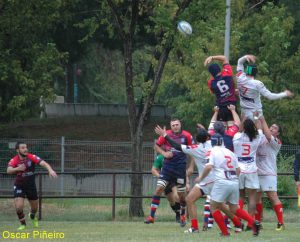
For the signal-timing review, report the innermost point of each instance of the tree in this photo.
(30, 61)
(126, 20)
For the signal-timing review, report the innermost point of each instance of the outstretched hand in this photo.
(251, 58)
(216, 109)
(208, 60)
(160, 131)
(231, 107)
(289, 93)
(52, 174)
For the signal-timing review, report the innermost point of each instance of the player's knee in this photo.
(181, 189)
(273, 198)
(19, 210)
(189, 199)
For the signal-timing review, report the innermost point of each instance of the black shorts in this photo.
(224, 114)
(169, 187)
(175, 176)
(28, 192)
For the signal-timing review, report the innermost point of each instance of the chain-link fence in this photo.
(88, 156)
(76, 155)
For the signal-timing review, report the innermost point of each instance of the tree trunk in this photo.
(136, 204)
(136, 122)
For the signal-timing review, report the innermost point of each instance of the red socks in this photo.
(220, 221)
(236, 221)
(194, 223)
(241, 203)
(259, 211)
(279, 212)
(244, 215)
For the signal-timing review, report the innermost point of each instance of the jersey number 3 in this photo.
(246, 150)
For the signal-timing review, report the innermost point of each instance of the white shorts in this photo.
(248, 113)
(225, 191)
(206, 189)
(249, 180)
(268, 183)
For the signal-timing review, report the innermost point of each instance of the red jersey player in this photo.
(23, 165)
(222, 85)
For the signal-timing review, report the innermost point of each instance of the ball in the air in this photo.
(184, 28)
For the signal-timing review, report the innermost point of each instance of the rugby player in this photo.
(23, 165)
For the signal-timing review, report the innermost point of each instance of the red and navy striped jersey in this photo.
(223, 87)
(27, 176)
(179, 157)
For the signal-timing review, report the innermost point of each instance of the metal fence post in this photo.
(62, 165)
(114, 197)
(40, 196)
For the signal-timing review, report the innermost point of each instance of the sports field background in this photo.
(90, 220)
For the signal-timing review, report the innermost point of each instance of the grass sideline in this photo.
(100, 210)
(90, 220)
(138, 231)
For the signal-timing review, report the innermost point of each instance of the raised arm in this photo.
(242, 60)
(265, 128)
(221, 58)
(235, 115)
(162, 132)
(213, 118)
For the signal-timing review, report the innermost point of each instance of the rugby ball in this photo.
(184, 28)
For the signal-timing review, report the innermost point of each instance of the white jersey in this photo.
(198, 152)
(224, 163)
(246, 150)
(250, 90)
(266, 157)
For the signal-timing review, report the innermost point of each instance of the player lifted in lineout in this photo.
(23, 165)
(250, 89)
(222, 85)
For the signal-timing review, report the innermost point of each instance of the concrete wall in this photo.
(71, 109)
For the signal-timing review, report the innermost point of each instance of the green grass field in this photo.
(90, 220)
(138, 231)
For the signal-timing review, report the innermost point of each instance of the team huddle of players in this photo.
(234, 155)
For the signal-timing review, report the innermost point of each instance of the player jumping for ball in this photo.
(222, 85)
(250, 89)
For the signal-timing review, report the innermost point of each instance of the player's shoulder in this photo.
(238, 135)
(30, 155)
(14, 159)
(186, 133)
(257, 83)
(34, 157)
(277, 140)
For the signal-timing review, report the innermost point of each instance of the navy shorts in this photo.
(28, 192)
(174, 175)
(224, 114)
(169, 187)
